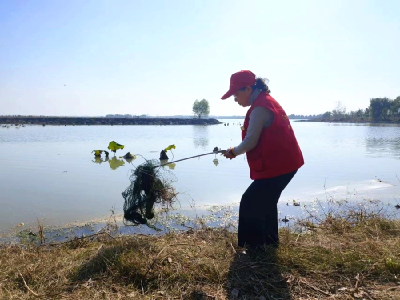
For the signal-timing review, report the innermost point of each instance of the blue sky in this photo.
(157, 57)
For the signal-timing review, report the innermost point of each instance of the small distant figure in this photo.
(65, 85)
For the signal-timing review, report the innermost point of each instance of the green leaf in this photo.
(114, 146)
(97, 152)
(169, 148)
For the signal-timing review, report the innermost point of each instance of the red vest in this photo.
(277, 151)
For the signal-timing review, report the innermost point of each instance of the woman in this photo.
(273, 156)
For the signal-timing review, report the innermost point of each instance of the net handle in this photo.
(214, 152)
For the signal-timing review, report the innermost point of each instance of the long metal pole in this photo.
(214, 152)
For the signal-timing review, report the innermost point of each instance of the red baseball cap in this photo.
(240, 80)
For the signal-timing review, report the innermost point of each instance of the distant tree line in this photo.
(380, 109)
(293, 116)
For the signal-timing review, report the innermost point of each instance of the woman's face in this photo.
(242, 97)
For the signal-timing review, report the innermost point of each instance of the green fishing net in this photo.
(150, 185)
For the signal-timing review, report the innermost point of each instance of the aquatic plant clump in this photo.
(150, 185)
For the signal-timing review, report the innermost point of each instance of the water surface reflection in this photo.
(170, 165)
(215, 161)
(99, 160)
(115, 163)
(201, 136)
(382, 141)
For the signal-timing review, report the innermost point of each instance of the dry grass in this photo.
(336, 260)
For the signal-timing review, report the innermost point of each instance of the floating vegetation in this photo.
(114, 146)
(163, 155)
(99, 152)
(128, 156)
(296, 203)
(170, 147)
(150, 185)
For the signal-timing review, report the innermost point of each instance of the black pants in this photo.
(258, 212)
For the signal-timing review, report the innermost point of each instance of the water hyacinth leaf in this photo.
(114, 146)
(129, 160)
(128, 156)
(97, 152)
(170, 147)
(163, 155)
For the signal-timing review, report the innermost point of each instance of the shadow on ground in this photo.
(257, 275)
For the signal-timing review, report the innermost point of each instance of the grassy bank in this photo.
(336, 259)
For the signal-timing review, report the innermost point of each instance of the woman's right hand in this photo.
(229, 153)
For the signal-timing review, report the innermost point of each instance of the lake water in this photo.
(49, 172)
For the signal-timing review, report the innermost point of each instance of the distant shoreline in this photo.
(82, 121)
(350, 121)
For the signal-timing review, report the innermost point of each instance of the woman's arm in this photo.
(260, 118)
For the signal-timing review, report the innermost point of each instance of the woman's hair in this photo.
(261, 84)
